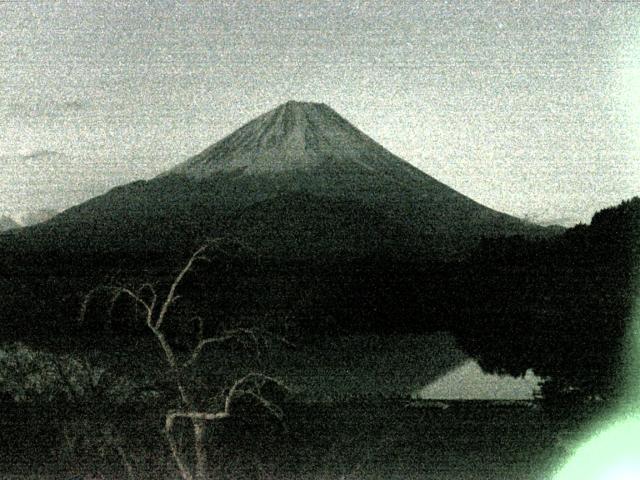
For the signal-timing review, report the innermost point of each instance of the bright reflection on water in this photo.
(470, 382)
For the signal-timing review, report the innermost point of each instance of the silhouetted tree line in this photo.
(560, 306)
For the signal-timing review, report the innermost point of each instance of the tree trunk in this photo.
(199, 429)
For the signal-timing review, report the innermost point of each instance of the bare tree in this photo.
(155, 310)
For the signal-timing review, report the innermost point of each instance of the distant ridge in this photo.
(298, 181)
(25, 218)
(8, 223)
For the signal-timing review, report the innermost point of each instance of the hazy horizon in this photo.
(531, 110)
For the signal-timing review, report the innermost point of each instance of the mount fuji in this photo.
(296, 182)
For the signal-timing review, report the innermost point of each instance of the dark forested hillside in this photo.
(561, 306)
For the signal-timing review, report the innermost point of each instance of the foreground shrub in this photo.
(29, 376)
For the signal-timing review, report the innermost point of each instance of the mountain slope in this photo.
(297, 157)
(297, 136)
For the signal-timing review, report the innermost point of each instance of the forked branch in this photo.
(171, 297)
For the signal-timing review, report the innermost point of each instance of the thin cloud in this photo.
(46, 108)
(39, 154)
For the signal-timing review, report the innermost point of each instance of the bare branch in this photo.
(116, 293)
(172, 416)
(119, 291)
(203, 343)
(257, 380)
(270, 335)
(154, 296)
(85, 302)
(227, 335)
(271, 407)
(171, 296)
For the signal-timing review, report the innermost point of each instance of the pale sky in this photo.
(532, 109)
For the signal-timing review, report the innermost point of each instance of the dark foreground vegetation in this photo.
(358, 439)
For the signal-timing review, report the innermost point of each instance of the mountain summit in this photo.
(295, 136)
(296, 182)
